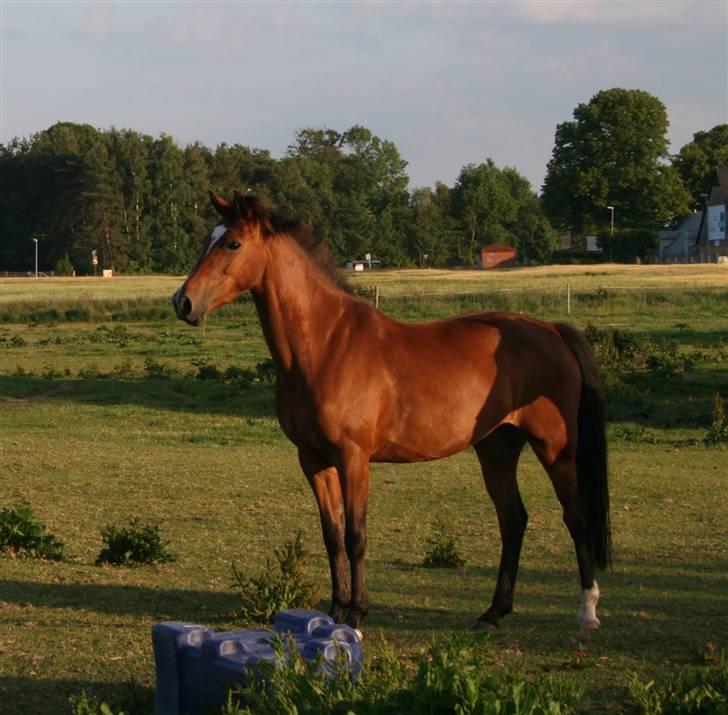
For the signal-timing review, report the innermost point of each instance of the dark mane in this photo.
(275, 222)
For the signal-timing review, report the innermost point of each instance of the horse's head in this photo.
(232, 259)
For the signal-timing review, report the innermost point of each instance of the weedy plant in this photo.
(133, 544)
(156, 369)
(718, 430)
(696, 691)
(277, 587)
(264, 373)
(444, 551)
(23, 535)
(451, 678)
(85, 704)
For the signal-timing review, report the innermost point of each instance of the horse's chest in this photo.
(299, 420)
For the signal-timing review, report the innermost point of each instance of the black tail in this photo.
(591, 449)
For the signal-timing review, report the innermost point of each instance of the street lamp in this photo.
(35, 241)
(611, 233)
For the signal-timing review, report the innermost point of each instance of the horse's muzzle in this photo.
(183, 307)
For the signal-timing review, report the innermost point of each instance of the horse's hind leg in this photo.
(561, 468)
(498, 454)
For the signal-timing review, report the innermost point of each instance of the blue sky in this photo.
(448, 83)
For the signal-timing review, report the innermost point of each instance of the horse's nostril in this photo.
(185, 306)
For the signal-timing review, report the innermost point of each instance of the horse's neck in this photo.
(298, 306)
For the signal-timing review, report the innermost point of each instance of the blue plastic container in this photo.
(196, 666)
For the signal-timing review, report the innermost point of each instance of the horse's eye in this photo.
(233, 245)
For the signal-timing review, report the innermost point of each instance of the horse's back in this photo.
(445, 384)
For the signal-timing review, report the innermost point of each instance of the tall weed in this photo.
(278, 587)
(444, 551)
(718, 430)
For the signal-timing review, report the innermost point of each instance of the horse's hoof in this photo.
(338, 613)
(354, 619)
(590, 624)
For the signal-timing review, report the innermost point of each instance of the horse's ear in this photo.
(253, 209)
(221, 205)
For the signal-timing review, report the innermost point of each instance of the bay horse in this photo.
(355, 386)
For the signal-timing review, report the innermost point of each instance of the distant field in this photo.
(393, 283)
(553, 278)
(103, 417)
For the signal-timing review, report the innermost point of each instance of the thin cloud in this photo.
(624, 12)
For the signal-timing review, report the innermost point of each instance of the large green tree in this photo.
(140, 202)
(497, 206)
(433, 231)
(613, 153)
(697, 160)
(361, 185)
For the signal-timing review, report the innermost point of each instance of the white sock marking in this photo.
(588, 609)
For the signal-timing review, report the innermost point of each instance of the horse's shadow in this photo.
(175, 393)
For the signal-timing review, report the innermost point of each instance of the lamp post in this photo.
(611, 234)
(35, 241)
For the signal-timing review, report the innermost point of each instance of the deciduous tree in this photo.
(613, 153)
(696, 162)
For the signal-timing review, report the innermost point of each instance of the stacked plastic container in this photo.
(196, 666)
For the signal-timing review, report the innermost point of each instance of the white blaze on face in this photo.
(588, 609)
(217, 233)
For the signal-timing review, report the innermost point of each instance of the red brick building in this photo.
(497, 256)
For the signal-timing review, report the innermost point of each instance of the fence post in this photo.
(376, 296)
(568, 298)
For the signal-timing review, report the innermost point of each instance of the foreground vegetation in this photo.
(118, 414)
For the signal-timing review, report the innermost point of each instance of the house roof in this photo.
(689, 225)
(498, 248)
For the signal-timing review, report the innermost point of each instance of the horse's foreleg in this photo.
(354, 473)
(498, 454)
(324, 480)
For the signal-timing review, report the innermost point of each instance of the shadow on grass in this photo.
(644, 607)
(681, 400)
(172, 393)
(684, 335)
(113, 599)
(33, 695)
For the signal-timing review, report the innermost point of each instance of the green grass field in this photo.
(102, 419)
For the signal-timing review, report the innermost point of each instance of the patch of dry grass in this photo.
(549, 278)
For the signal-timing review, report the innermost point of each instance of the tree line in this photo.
(140, 202)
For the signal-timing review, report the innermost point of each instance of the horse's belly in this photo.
(422, 438)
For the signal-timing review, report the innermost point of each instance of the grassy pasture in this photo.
(103, 419)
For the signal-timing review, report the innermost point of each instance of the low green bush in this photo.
(278, 587)
(617, 349)
(264, 373)
(23, 535)
(133, 544)
(444, 551)
(208, 372)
